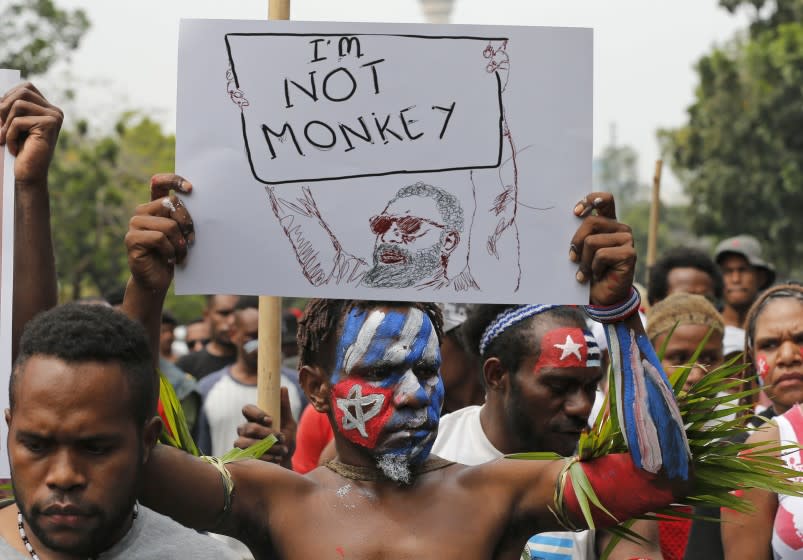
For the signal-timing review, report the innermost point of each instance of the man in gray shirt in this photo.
(82, 424)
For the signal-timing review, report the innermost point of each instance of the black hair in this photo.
(781, 291)
(289, 328)
(116, 296)
(515, 342)
(247, 302)
(169, 319)
(196, 320)
(681, 257)
(323, 317)
(77, 333)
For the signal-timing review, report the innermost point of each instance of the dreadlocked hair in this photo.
(322, 319)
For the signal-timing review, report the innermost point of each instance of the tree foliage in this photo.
(34, 34)
(95, 186)
(740, 156)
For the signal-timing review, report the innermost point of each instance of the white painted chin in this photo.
(395, 467)
(398, 466)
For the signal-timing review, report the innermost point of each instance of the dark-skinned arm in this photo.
(157, 240)
(603, 249)
(177, 484)
(29, 128)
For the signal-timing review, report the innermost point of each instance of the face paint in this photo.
(387, 392)
(361, 410)
(762, 368)
(568, 347)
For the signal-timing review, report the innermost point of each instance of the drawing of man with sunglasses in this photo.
(416, 233)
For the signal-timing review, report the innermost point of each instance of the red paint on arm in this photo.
(624, 489)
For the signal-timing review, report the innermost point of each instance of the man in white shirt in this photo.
(541, 376)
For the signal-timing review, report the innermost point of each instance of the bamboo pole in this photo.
(269, 360)
(652, 238)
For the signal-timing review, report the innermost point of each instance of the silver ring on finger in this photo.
(167, 203)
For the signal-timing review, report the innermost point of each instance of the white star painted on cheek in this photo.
(570, 347)
(357, 402)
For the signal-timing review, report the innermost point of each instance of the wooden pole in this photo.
(652, 238)
(278, 9)
(269, 362)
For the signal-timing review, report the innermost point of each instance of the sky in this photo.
(644, 54)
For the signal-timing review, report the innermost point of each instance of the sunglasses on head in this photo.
(407, 225)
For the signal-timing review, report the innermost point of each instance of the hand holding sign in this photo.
(29, 126)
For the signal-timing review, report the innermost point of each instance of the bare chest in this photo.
(353, 522)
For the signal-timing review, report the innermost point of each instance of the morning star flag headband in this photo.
(510, 317)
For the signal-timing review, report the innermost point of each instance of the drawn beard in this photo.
(396, 267)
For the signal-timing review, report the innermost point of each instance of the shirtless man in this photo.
(373, 368)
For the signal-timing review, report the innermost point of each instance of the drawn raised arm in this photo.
(317, 249)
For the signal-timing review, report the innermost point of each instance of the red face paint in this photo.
(568, 347)
(361, 410)
(762, 367)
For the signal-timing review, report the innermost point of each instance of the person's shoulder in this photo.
(209, 381)
(187, 362)
(466, 414)
(766, 432)
(162, 537)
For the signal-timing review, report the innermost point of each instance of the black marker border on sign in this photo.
(383, 173)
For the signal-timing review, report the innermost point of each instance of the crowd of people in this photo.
(396, 416)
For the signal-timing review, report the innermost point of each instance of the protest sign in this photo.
(384, 161)
(8, 78)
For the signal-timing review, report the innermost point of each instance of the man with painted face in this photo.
(540, 377)
(373, 368)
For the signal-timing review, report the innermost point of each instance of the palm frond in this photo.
(712, 417)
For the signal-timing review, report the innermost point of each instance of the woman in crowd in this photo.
(774, 340)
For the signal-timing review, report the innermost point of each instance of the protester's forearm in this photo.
(625, 490)
(646, 407)
(34, 263)
(144, 305)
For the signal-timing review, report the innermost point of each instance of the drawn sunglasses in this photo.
(407, 225)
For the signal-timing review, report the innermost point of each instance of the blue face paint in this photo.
(392, 353)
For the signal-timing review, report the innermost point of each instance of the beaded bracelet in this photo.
(617, 312)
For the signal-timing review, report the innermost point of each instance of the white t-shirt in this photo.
(462, 439)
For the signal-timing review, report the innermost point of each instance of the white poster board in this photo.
(8, 78)
(384, 161)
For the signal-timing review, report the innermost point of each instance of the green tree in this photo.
(740, 156)
(34, 34)
(95, 185)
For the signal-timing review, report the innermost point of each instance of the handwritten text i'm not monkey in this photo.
(339, 85)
